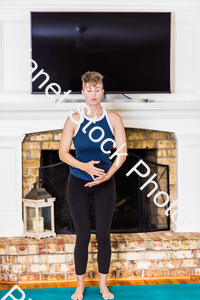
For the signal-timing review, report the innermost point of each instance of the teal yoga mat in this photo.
(135, 292)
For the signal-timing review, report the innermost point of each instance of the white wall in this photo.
(185, 48)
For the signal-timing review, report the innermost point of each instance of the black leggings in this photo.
(78, 199)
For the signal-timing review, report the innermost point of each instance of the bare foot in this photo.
(78, 295)
(105, 293)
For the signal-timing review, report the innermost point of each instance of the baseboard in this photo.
(96, 280)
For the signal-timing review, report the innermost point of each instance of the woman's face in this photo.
(92, 94)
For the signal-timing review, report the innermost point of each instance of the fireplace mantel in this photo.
(139, 115)
(180, 118)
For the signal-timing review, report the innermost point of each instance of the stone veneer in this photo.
(134, 255)
(163, 142)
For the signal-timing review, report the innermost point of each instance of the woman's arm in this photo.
(65, 144)
(120, 139)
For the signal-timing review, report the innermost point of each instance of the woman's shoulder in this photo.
(72, 121)
(73, 118)
(113, 116)
(76, 116)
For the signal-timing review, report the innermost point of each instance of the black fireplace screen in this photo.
(135, 209)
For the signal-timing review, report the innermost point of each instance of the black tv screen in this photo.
(131, 50)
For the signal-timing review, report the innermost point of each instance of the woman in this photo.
(92, 130)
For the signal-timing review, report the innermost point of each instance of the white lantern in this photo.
(38, 212)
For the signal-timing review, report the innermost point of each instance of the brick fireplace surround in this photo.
(163, 142)
(171, 129)
(134, 255)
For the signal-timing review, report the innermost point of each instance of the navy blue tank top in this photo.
(88, 145)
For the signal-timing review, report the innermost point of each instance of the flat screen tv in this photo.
(131, 49)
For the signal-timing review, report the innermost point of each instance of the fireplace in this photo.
(134, 211)
(180, 124)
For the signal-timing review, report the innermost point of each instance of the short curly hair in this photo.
(93, 78)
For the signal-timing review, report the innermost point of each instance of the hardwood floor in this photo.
(95, 282)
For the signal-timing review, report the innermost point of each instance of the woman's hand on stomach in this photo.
(92, 170)
(97, 180)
